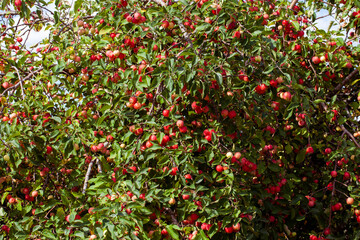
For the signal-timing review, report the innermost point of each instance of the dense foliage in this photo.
(151, 119)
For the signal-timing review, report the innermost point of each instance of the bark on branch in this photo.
(173, 217)
(293, 3)
(340, 85)
(87, 176)
(350, 135)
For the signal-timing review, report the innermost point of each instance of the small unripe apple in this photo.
(7, 157)
(322, 59)
(76, 147)
(258, 59)
(80, 23)
(229, 154)
(122, 145)
(172, 201)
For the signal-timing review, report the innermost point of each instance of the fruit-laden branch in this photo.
(340, 85)
(24, 79)
(87, 176)
(343, 128)
(181, 25)
(350, 135)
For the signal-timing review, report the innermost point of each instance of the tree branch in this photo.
(87, 176)
(173, 217)
(98, 163)
(350, 135)
(293, 3)
(20, 81)
(158, 90)
(340, 85)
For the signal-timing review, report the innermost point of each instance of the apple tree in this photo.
(163, 119)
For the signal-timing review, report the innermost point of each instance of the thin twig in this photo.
(21, 85)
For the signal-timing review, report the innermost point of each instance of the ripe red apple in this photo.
(137, 105)
(229, 230)
(185, 196)
(180, 123)
(309, 150)
(219, 168)
(110, 138)
(348, 65)
(164, 232)
(137, 16)
(166, 113)
(333, 174)
(236, 227)
(327, 231)
(315, 60)
(34, 193)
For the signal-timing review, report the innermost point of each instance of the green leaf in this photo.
(4, 3)
(300, 156)
(219, 78)
(69, 147)
(56, 17)
(172, 232)
(57, 119)
(274, 168)
(105, 30)
(77, 5)
(48, 234)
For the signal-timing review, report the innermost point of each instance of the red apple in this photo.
(219, 168)
(316, 60)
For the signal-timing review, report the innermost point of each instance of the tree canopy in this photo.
(206, 119)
